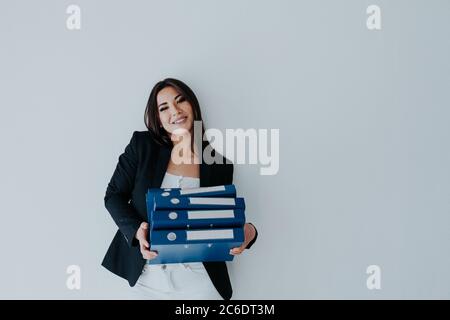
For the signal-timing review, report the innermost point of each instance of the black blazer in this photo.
(142, 166)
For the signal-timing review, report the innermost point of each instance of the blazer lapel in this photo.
(205, 169)
(205, 175)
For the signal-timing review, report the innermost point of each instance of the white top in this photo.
(175, 181)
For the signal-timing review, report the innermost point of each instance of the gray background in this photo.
(364, 137)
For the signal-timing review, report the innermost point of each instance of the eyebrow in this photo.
(166, 102)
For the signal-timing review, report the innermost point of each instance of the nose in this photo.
(175, 111)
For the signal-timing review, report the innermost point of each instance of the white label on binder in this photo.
(210, 234)
(210, 214)
(202, 189)
(213, 201)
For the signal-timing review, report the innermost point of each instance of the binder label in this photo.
(213, 201)
(210, 214)
(210, 234)
(202, 189)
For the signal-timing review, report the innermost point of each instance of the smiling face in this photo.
(174, 111)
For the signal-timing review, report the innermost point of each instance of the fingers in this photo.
(147, 254)
(248, 234)
(237, 250)
(145, 245)
(142, 232)
(144, 225)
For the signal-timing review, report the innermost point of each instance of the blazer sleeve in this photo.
(230, 181)
(118, 193)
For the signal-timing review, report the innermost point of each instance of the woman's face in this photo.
(175, 112)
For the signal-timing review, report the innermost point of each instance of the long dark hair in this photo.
(151, 116)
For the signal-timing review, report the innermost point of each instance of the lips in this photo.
(180, 120)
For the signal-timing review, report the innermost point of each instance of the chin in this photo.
(184, 126)
(181, 127)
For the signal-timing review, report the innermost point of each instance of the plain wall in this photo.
(364, 137)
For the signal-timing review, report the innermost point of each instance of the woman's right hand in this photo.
(141, 236)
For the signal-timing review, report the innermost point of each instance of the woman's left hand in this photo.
(249, 234)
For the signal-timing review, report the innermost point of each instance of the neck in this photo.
(183, 149)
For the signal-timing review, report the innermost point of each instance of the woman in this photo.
(153, 159)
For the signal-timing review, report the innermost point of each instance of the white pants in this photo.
(177, 281)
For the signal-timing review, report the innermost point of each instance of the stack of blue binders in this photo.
(195, 225)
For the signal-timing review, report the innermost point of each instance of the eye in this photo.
(182, 99)
(162, 109)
